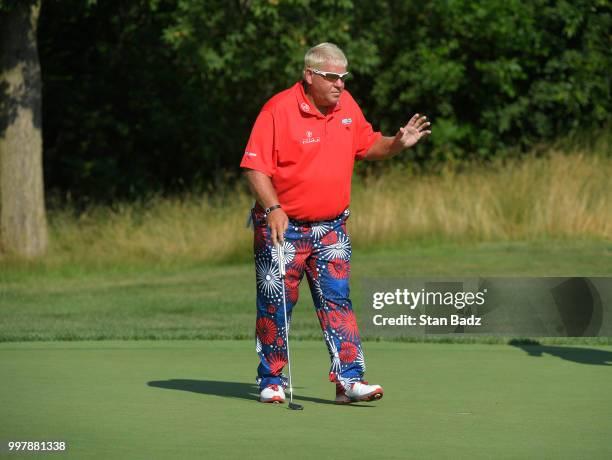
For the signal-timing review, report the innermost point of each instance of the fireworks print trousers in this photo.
(322, 250)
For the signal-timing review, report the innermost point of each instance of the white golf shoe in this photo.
(358, 391)
(272, 394)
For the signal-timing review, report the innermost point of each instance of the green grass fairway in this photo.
(196, 399)
(218, 301)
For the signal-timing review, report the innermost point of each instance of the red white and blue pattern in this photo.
(322, 251)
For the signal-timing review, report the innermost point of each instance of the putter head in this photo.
(294, 406)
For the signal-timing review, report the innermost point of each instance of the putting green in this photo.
(195, 399)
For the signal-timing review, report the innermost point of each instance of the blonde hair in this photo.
(324, 53)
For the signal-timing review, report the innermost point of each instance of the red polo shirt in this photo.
(309, 156)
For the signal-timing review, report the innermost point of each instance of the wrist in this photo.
(272, 208)
(396, 147)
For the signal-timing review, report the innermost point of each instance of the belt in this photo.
(301, 223)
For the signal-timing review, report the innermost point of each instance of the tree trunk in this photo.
(23, 226)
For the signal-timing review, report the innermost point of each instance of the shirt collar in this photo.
(306, 106)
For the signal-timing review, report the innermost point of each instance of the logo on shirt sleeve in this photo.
(250, 154)
(346, 121)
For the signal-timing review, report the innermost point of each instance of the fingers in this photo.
(421, 125)
(281, 233)
(278, 223)
(278, 234)
(418, 121)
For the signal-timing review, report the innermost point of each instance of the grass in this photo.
(207, 301)
(553, 196)
(172, 269)
(193, 399)
(560, 196)
(180, 268)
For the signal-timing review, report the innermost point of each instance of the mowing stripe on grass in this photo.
(197, 399)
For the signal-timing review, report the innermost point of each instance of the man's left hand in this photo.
(415, 129)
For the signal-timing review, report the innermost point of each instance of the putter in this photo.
(280, 250)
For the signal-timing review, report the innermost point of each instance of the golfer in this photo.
(299, 162)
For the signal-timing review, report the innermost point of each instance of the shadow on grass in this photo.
(574, 354)
(238, 390)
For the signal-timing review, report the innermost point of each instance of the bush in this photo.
(159, 95)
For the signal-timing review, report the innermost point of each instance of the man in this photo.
(299, 162)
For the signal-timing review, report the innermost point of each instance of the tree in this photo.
(160, 95)
(23, 228)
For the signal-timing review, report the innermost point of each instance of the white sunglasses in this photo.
(330, 76)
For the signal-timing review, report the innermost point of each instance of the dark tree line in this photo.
(157, 95)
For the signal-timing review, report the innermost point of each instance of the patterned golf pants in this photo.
(322, 250)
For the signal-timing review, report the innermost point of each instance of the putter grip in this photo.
(280, 251)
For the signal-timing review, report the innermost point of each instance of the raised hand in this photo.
(415, 129)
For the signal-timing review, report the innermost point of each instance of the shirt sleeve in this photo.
(260, 154)
(366, 136)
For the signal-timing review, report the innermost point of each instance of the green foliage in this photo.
(495, 74)
(161, 94)
(9, 5)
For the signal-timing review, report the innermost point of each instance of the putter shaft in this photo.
(281, 266)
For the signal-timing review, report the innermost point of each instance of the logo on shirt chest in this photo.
(310, 139)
